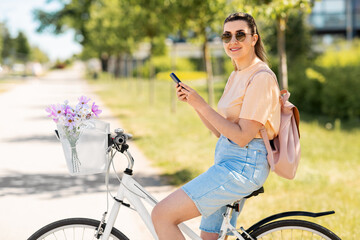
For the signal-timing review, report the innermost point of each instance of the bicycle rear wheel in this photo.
(293, 230)
(73, 229)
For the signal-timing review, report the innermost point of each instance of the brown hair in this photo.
(259, 47)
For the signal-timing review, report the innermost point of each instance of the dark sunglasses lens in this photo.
(226, 38)
(240, 36)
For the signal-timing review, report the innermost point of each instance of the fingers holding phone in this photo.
(186, 93)
(181, 95)
(179, 89)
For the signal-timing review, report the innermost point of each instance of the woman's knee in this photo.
(158, 213)
(161, 214)
(174, 209)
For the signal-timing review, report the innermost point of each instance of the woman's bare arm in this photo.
(182, 97)
(208, 125)
(241, 132)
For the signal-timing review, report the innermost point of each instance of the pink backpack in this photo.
(284, 156)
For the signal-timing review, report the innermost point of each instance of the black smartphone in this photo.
(175, 78)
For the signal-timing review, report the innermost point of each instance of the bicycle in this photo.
(272, 227)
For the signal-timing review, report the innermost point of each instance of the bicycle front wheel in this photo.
(73, 229)
(293, 230)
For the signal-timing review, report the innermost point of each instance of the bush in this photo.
(340, 96)
(164, 64)
(340, 67)
(183, 75)
(328, 86)
(306, 89)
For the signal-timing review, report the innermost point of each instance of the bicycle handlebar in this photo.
(121, 139)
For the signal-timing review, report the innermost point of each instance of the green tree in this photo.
(22, 47)
(7, 43)
(280, 11)
(204, 18)
(38, 55)
(111, 30)
(301, 56)
(153, 20)
(74, 14)
(2, 28)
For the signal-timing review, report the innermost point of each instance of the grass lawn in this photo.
(182, 147)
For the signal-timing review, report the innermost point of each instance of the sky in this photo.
(17, 15)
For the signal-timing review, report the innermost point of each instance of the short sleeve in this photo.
(260, 98)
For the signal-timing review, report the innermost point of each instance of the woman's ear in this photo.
(254, 40)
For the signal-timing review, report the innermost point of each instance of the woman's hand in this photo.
(189, 95)
(180, 95)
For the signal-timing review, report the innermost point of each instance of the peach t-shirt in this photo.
(257, 101)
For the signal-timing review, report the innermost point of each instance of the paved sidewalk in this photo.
(35, 188)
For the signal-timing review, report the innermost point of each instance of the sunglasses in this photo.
(240, 36)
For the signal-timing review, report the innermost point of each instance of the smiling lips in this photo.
(234, 49)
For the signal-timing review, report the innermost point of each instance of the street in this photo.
(35, 187)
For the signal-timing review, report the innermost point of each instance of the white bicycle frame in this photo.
(133, 192)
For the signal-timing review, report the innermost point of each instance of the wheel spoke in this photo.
(64, 234)
(302, 234)
(73, 229)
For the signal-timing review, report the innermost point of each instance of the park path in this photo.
(35, 188)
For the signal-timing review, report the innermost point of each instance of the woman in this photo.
(250, 101)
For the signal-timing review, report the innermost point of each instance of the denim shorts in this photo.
(236, 173)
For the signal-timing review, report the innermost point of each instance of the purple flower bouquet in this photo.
(72, 123)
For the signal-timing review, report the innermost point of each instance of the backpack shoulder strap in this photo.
(263, 132)
(260, 71)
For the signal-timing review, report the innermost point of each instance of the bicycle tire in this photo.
(73, 229)
(293, 229)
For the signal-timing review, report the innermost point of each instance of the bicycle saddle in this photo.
(255, 193)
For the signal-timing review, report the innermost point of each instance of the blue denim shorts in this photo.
(236, 173)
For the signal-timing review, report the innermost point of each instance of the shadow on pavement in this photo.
(37, 138)
(61, 185)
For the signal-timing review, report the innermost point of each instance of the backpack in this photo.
(284, 150)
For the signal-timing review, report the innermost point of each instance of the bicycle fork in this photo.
(113, 213)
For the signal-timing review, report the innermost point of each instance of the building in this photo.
(331, 17)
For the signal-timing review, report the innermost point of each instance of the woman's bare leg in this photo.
(209, 236)
(168, 213)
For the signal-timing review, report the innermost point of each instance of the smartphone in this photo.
(175, 78)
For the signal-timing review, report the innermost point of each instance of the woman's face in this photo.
(236, 49)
